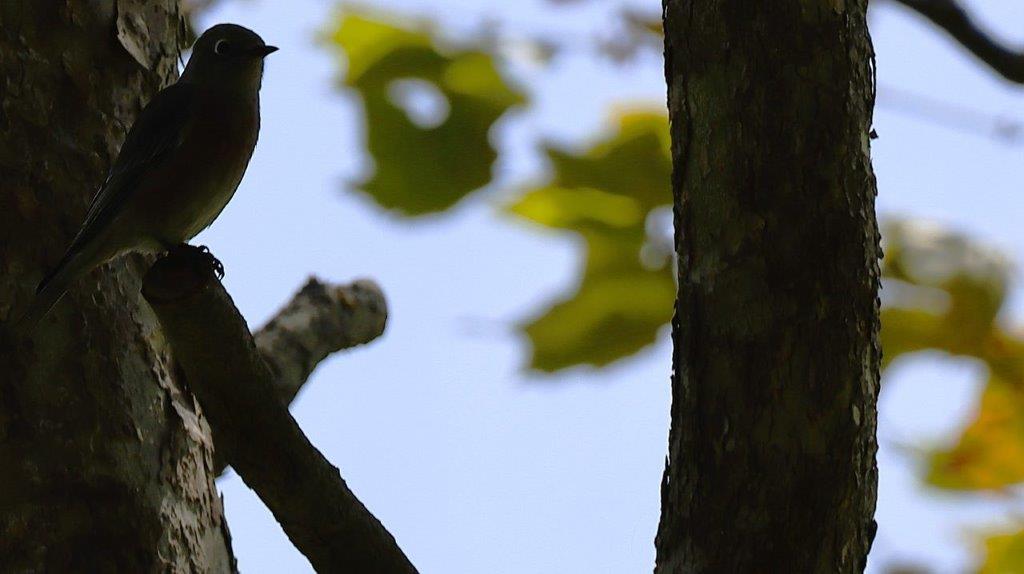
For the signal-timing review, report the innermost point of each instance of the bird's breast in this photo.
(226, 130)
(200, 180)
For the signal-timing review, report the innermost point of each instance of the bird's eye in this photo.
(222, 47)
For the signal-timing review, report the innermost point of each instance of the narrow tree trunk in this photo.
(105, 463)
(772, 447)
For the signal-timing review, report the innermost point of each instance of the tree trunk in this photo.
(105, 463)
(776, 353)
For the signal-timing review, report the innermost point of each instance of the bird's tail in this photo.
(50, 290)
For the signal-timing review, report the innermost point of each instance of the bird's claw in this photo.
(215, 263)
(203, 252)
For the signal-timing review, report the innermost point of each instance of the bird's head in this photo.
(228, 55)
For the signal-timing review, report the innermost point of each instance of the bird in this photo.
(179, 165)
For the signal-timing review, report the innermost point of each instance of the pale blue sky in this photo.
(473, 465)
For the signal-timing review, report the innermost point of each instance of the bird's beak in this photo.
(264, 51)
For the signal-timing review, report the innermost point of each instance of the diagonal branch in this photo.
(951, 17)
(320, 319)
(261, 440)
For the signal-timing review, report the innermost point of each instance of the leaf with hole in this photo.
(429, 111)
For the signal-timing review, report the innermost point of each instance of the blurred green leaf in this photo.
(972, 279)
(617, 310)
(990, 451)
(634, 162)
(579, 208)
(1004, 554)
(605, 194)
(909, 330)
(944, 292)
(421, 168)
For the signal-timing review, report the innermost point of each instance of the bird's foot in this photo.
(200, 252)
(215, 263)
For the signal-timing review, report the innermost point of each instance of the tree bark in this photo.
(105, 464)
(771, 462)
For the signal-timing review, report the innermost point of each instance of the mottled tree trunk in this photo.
(105, 465)
(772, 447)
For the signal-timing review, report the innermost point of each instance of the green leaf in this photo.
(1004, 553)
(907, 331)
(635, 162)
(605, 194)
(990, 451)
(579, 208)
(945, 293)
(422, 168)
(617, 310)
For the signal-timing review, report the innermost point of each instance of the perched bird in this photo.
(180, 164)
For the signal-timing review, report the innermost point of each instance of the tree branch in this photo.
(262, 441)
(951, 17)
(319, 320)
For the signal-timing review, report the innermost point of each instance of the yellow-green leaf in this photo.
(944, 292)
(909, 330)
(635, 161)
(605, 194)
(422, 167)
(617, 310)
(1004, 554)
(990, 452)
(576, 208)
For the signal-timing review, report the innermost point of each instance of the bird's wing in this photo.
(158, 130)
